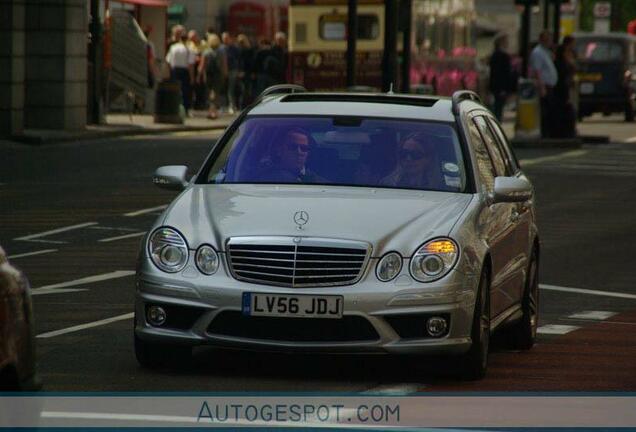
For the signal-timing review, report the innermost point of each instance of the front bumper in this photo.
(377, 317)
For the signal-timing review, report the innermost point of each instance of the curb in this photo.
(595, 139)
(35, 139)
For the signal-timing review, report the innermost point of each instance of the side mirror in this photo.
(511, 189)
(171, 177)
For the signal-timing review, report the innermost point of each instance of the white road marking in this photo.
(395, 389)
(56, 231)
(631, 140)
(27, 254)
(107, 228)
(46, 241)
(588, 291)
(556, 329)
(83, 281)
(110, 239)
(144, 211)
(46, 291)
(573, 153)
(85, 326)
(118, 416)
(592, 315)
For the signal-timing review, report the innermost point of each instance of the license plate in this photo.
(586, 88)
(294, 305)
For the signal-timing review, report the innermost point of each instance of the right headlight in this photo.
(434, 259)
(168, 250)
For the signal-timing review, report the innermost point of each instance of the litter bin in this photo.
(168, 103)
(528, 123)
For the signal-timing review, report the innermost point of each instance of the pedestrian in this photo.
(263, 80)
(246, 76)
(215, 68)
(176, 33)
(232, 54)
(502, 80)
(543, 69)
(280, 52)
(565, 111)
(199, 92)
(182, 64)
(153, 71)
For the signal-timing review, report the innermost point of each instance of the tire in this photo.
(474, 363)
(524, 333)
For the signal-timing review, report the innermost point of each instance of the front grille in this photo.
(346, 329)
(308, 263)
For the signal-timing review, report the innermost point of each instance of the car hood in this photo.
(388, 219)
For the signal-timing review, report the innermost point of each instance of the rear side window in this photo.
(485, 168)
(503, 141)
(599, 50)
(492, 146)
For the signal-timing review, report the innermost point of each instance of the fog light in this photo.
(436, 326)
(156, 316)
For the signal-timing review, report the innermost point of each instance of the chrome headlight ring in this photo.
(168, 250)
(207, 259)
(434, 259)
(389, 266)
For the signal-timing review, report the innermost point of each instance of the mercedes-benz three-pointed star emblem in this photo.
(301, 218)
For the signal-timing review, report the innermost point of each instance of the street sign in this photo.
(602, 9)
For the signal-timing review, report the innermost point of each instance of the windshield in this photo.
(346, 151)
(599, 50)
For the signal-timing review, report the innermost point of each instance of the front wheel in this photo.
(524, 333)
(475, 362)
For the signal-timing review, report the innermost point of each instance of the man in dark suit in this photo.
(501, 76)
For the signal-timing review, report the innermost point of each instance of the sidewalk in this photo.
(123, 125)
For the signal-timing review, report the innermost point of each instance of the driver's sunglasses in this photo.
(292, 146)
(412, 154)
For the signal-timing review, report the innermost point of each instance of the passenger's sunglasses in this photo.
(412, 154)
(292, 146)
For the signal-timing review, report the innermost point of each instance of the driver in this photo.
(289, 158)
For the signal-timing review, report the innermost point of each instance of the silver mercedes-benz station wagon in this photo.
(345, 222)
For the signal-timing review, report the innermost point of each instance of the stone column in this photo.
(11, 67)
(56, 64)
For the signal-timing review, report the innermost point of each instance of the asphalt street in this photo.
(72, 216)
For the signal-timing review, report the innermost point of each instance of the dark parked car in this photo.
(607, 73)
(17, 340)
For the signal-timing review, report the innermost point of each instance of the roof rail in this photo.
(282, 88)
(462, 95)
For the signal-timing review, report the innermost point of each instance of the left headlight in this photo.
(168, 250)
(434, 259)
(207, 260)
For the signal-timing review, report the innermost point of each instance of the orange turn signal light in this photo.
(440, 247)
